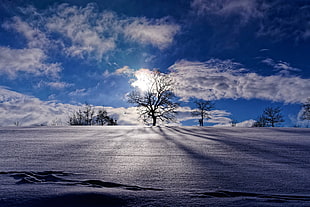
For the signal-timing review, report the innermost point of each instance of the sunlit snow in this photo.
(154, 166)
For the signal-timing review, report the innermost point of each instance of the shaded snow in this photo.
(154, 166)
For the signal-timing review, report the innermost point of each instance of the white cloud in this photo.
(140, 79)
(89, 32)
(124, 71)
(16, 108)
(217, 116)
(124, 116)
(246, 123)
(55, 85)
(277, 19)
(31, 61)
(79, 92)
(86, 33)
(35, 38)
(286, 19)
(216, 79)
(283, 67)
(28, 111)
(158, 33)
(245, 9)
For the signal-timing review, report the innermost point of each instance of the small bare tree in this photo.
(306, 111)
(270, 117)
(260, 122)
(88, 114)
(203, 110)
(101, 118)
(157, 101)
(273, 116)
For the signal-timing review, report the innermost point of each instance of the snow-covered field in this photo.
(154, 166)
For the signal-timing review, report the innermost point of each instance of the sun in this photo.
(143, 80)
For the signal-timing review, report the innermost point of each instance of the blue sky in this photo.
(244, 55)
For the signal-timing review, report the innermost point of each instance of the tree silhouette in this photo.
(101, 117)
(203, 109)
(270, 117)
(87, 116)
(306, 111)
(157, 101)
(261, 122)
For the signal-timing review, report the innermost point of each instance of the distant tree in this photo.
(234, 122)
(306, 111)
(157, 101)
(79, 118)
(261, 122)
(111, 121)
(203, 110)
(87, 116)
(74, 120)
(273, 116)
(17, 123)
(270, 117)
(101, 118)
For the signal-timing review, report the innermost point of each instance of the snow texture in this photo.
(154, 166)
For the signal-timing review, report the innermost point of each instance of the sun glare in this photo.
(143, 81)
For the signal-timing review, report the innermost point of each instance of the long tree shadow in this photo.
(243, 158)
(190, 151)
(257, 148)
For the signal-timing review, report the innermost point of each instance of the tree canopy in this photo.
(157, 101)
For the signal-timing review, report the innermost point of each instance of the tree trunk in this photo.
(154, 120)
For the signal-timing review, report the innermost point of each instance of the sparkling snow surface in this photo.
(154, 166)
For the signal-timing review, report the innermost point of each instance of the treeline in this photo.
(270, 117)
(87, 116)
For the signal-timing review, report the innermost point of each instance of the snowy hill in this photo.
(154, 166)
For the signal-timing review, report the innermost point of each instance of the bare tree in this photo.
(306, 111)
(87, 116)
(271, 116)
(101, 118)
(157, 101)
(79, 118)
(203, 110)
(234, 122)
(261, 122)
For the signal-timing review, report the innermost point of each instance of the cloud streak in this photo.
(158, 33)
(216, 79)
(29, 60)
(244, 9)
(87, 33)
(23, 110)
(34, 36)
(278, 19)
(19, 109)
(283, 67)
